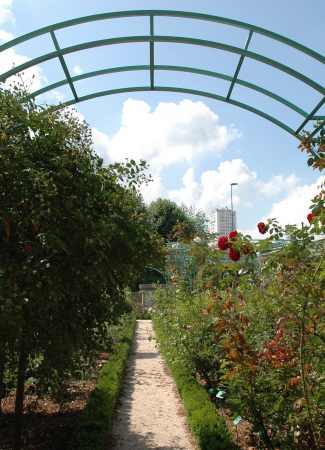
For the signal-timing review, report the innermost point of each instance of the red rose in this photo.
(262, 227)
(311, 216)
(234, 254)
(223, 243)
(232, 235)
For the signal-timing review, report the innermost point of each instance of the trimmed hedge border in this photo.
(207, 426)
(94, 426)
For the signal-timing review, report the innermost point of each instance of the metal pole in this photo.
(232, 212)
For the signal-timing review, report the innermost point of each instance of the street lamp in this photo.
(232, 212)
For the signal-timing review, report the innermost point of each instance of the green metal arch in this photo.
(183, 91)
(162, 67)
(151, 39)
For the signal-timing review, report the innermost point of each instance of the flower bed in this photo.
(255, 331)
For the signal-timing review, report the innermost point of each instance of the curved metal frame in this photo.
(151, 39)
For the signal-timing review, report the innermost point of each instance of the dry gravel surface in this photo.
(149, 413)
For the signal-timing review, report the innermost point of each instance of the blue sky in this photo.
(195, 146)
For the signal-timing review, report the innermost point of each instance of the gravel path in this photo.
(149, 413)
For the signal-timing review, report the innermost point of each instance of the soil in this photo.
(242, 434)
(47, 425)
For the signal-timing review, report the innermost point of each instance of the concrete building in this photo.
(222, 221)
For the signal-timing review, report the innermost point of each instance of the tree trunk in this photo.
(2, 385)
(22, 365)
(312, 434)
(259, 421)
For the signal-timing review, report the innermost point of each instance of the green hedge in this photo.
(207, 425)
(94, 427)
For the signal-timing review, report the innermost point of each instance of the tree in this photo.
(164, 214)
(72, 235)
(197, 217)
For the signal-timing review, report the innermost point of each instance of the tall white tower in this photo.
(221, 220)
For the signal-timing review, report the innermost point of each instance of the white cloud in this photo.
(101, 143)
(77, 70)
(190, 192)
(183, 134)
(173, 133)
(294, 208)
(163, 134)
(213, 190)
(57, 95)
(6, 14)
(153, 190)
(278, 183)
(5, 36)
(32, 77)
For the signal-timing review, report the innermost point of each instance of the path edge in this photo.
(208, 427)
(94, 426)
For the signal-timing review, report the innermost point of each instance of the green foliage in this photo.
(165, 214)
(207, 426)
(315, 147)
(73, 235)
(94, 427)
(256, 329)
(197, 217)
(318, 211)
(188, 333)
(272, 339)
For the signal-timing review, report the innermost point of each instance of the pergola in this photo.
(311, 120)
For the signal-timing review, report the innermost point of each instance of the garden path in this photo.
(149, 413)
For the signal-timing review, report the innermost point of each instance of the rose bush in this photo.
(256, 332)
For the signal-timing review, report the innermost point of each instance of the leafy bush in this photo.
(258, 331)
(188, 332)
(93, 429)
(272, 338)
(73, 235)
(207, 426)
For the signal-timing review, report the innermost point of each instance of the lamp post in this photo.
(232, 212)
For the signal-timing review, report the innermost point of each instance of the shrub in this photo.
(207, 426)
(93, 429)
